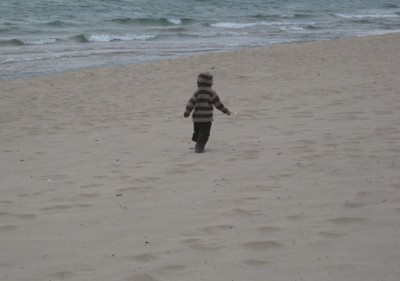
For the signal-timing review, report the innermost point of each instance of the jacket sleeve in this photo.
(218, 104)
(190, 105)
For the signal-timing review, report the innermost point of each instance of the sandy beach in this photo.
(99, 180)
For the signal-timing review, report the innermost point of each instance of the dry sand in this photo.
(98, 181)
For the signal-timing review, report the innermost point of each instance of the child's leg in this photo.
(204, 134)
(196, 131)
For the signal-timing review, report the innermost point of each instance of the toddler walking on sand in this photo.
(202, 102)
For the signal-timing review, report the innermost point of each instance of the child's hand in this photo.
(185, 114)
(228, 113)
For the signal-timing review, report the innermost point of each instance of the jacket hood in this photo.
(205, 79)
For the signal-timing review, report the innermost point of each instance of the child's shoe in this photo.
(199, 148)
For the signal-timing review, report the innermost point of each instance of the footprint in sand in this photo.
(6, 228)
(89, 195)
(346, 221)
(199, 244)
(144, 258)
(331, 235)
(176, 171)
(51, 178)
(25, 216)
(349, 204)
(84, 205)
(269, 229)
(92, 185)
(217, 228)
(206, 246)
(244, 213)
(297, 217)
(63, 275)
(396, 186)
(171, 270)
(147, 187)
(256, 263)
(261, 188)
(6, 202)
(250, 154)
(261, 245)
(141, 277)
(245, 200)
(55, 208)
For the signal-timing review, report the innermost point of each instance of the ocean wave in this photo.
(152, 21)
(82, 38)
(175, 21)
(11, 42)
(40, 41)
(212, 34)
(56, 23)
(278, 17)
(103, 38)
(292, 28)
(21, 42)
(235, 25)
(312, 27)
(391, 6)
(282, 25)
(372, 15)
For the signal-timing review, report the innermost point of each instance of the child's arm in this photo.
(218, 104)
(190, 105)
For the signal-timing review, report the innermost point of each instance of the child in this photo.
(202, 102)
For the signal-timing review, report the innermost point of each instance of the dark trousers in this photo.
(201, 132)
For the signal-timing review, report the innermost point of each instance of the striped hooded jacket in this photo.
(203, 100)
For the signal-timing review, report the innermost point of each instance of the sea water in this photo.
(41, 37)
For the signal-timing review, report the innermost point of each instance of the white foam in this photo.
(103, 38)
(215, 34)
(39, 41)
(370, 15)
(235, 25)
(175, 21)
(292, 28)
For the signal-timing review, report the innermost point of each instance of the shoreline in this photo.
(99, 181)
(177, 57)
